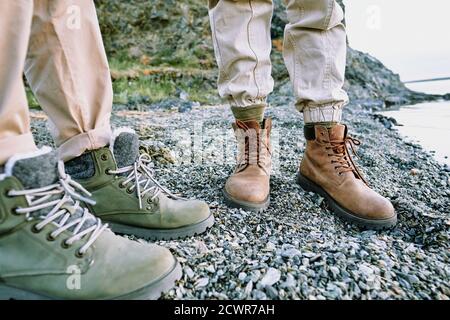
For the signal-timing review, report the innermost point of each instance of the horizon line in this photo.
(427, 80)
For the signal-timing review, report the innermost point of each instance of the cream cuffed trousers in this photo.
(314, 52)
(57, 43)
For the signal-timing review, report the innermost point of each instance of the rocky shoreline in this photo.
(297, 249)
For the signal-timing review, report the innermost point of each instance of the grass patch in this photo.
(32, 101)
(137, 81)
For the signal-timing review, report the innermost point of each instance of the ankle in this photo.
(250, 113)
(326, 124)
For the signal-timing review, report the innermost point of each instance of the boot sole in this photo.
(248, 206)
(149, 292)
(163, 234)
(343, 213)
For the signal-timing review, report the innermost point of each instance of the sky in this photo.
(411, 37)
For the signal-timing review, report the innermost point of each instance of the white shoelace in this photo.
(63, 208)
(144, 181)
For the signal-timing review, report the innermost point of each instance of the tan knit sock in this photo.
(255, 112)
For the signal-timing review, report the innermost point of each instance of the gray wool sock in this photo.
(37, 172)
(41, 171)
(81, 167)
(126, 149)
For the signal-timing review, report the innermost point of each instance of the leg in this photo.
(315, 52)
(242, 43)
(315, 47)
(68, 72)
(35, 186)
(15, 135)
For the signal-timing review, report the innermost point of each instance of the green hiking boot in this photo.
(52, 248)
(129, 197)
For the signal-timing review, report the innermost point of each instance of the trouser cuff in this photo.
(323, 113)
(90, 140)
(12, 145)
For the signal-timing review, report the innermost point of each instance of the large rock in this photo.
(366, 77)
(175, 34)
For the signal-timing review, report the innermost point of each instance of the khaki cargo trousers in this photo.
(57, 43)
(314, 53)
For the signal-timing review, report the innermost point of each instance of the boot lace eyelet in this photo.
(14, 211)
(50, 237)
(107, 171)
(7, 193)
(79, 254)
(65, 245)
(35, 229)
(104, 157)
(129, 191)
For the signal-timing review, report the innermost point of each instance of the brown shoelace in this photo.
(342, 160)
(252, 157)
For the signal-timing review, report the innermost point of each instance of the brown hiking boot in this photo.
(328, 169)
(248, 187)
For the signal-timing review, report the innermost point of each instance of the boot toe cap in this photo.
(374, 206)
(382, 209)
(199, 210)
(250, 190)
(180, 213)
(124, 266)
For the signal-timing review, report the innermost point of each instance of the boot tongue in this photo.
(252, 124)
(126, 149)
(337, 132)
(37, 171)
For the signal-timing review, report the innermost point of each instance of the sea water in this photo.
(427, 123)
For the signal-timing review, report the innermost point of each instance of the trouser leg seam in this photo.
(251, 48)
